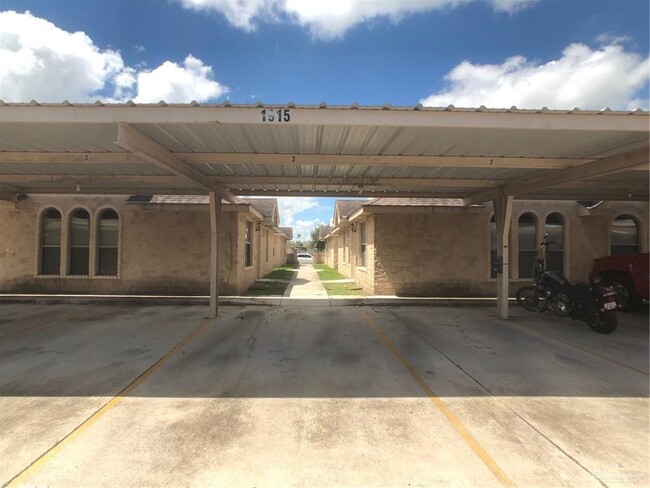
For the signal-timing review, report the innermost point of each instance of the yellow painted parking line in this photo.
(442, 406)
(45, 457)
(580, 348)
(38, 325)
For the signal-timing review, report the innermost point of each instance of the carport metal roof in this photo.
(288, 150)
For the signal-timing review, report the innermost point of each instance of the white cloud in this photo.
(40, 61)
(583, 77)
(304, 228)
(174, 83)
(329, 19)
(290, 207)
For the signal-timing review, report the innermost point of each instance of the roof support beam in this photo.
(232, 182)
(296, 159)
(157, 181)
(112, 190)
(137, 143)
(396, 193)
(615, 195)
(601, 167)
(381, 160)
(89, 180)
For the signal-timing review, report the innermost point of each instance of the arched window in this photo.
(527, 244)
(625, 235)
(79, 243)
(51, 242)
(555, 249)
(107, 243)
(493, 247)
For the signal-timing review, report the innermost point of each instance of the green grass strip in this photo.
(328, 273)
(265, 289)
(284, 272)
(343, 289)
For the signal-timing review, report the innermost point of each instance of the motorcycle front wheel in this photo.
(603, 322)
(530, 298)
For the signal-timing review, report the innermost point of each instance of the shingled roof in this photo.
(346, 208)
(287, 231)
(266, 206)
(324, 231)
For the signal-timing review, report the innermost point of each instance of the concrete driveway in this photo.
(319, 396)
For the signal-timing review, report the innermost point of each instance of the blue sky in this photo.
(497, 53)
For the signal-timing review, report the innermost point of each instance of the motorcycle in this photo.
(595, 304)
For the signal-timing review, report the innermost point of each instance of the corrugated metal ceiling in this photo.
(98, 139)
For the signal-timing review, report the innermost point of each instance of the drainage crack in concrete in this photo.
(496, 398)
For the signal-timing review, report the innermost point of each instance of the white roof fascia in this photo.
(418, 117)
(357, 214)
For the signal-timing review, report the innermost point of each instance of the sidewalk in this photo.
(306, 284)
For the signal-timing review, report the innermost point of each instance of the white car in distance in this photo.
(306, 258)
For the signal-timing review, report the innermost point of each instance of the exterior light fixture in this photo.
(353, 227)
(258, 225)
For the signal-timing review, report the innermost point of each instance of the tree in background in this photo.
(315, 244)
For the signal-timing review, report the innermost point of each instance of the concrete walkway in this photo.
(306, 284)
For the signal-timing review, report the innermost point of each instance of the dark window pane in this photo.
(362, 243)
(52, 228)
(249, 254)
(555, 239)
(108, 229)
(249, 232)
(80, 228)
(51, 243)
(248, 244)
(527, 244)
(625, 236)
(109, 239)
(493, 263)
(107, 260)
(526, 263)
(617, 250)
(527, 232)
(51, 260)
(79, 257)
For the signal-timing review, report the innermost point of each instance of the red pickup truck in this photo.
(630, 271)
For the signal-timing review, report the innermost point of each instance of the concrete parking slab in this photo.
(321, 396)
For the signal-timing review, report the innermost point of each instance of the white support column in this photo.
(503, 217)
(215, 220)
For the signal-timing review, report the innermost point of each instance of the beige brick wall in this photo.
(365, 275)
(586, 237)
(429, 254)
(331, 251)
(447, 252)
(345, 255)
(276, 255)
(161, 251)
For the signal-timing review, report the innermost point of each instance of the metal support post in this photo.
(503, 217)
(215, 220)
